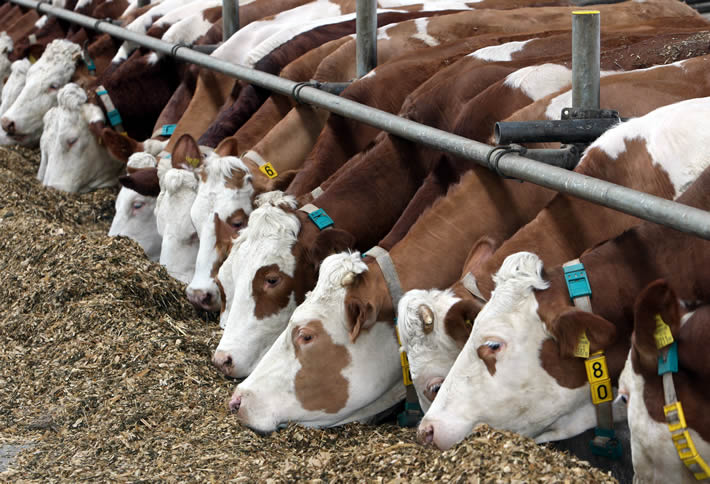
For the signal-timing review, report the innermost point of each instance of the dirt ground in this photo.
(105, 373)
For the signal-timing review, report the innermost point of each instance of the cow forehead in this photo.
(409, 323)
(329, 288)
(252, 255)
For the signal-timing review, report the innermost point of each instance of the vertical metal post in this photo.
(366, 28)
(230, 18)
(143, 3)
(585, 59)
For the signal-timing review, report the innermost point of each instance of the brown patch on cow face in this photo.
(319, 383)
(488, 356)
(236, 180)
(225, 232)
(271, 289)
(222, 295)
(458, 321)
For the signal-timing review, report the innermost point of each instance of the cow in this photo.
(654, 453)
(135, 207)
(23, 120)
(69, 161)
(11, 90)
(518, 357)
(5, 63)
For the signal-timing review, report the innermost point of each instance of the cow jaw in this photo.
(135, 218)
(23, 120)
(72, 159)
(225, 192)
(177, 192)
(430, 349)
(315, 374)
(498, 378)
(259, 289)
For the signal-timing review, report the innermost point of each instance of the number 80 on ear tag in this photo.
(599, 381)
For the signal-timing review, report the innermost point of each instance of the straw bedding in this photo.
(105, 373)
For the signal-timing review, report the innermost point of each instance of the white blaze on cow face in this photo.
(5, 63)
(135, 213)
(221, 208)
(315, 374)
(23, 120)
(259, 277)
(430, 348)
(498, 378)
(178, 189)
(72, 159)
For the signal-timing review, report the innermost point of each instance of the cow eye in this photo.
(237, 224)
(494, 345)
(305, 337)
(138, 205)
(271, 281)
(434, 389)
(54, 86)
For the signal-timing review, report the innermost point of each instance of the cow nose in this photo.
(199, 298)
(235, 403)
(8, 125)
(223, 361)
(425, 434)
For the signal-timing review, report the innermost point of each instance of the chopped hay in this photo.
(106, 372)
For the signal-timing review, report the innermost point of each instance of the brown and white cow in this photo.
(653, 452)
(516, 371)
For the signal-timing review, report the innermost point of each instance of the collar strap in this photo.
(164, 130)
(604, 442)
(113, 115)
(673, 409)
(316, 192)
(383, 259)
(32, 38)
(412, 410)
(317, 216)
(264, 166)
(470, 284)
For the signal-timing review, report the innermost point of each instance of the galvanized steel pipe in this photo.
(366, 39)
(230, 18)
(647, 207)
(586, 45)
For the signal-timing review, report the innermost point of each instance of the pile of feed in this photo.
(106, 372)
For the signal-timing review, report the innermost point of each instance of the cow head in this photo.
(6, 46)
(435, 324)
(72, 159)
(23, 120)
(321, 372)
(500, 376)
(652, 451)
(265, 276)
(178, 189)
(135, 205)
(221, 209)
(11, 90)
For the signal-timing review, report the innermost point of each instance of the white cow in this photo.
(71, 162)
(6, 46)
(135, 212)
(11, 90)
(319, 372)
(23, 120)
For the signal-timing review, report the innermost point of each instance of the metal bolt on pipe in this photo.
(366, 40)
(642, 205)
(586, 45)
(230, 18)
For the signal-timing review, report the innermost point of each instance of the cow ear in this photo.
(35, 51)
(328, 242)
(143, 181)
(119, 146)
(568, 327)
(459, 319)
(481, 251)
(282, 181)
(359, 316)
(657, 300)
(186, 153)
(227, 147)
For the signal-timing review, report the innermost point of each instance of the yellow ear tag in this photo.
(468, 322)
(194, 162)
(268, 170)
(662, 333)
(32, 59)
(582, 349)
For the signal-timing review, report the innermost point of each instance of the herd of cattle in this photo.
(314, 235)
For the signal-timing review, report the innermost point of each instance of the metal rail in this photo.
(642, 205)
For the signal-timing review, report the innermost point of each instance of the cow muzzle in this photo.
(204, 299)
(224, 363)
